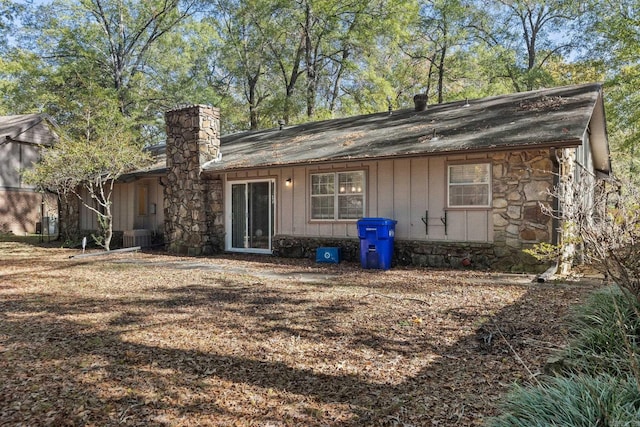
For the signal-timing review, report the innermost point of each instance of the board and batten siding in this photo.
(15, 158)
(124, 207)
(401, 189)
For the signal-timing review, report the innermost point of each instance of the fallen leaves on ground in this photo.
(143, 339)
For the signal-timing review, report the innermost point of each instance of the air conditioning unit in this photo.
(133, 238)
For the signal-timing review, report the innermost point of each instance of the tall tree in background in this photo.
(9, 66)
(9, 10)
(442, 30)
(107, 44)
(619, 46)
(122, 33)
(240, 25)
(525, 34)
(299, 60)
(358, 28)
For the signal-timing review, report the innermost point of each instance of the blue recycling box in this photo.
(331, 255)
(376, 242)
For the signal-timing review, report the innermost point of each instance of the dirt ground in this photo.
(147, 339)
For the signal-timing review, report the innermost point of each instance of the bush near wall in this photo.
(597, 379)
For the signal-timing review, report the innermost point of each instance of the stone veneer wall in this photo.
(193, 138)
(521, 180)
(214, 212)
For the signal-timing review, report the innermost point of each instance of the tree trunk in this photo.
(309, 62)
(336, 84)
(252, 82)
(443, 55)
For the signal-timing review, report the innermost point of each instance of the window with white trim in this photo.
(469, 185)
(337, 195)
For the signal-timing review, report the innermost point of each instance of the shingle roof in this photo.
(556, 117)
(27, 128)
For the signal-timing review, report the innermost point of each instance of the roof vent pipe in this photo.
(420, 101)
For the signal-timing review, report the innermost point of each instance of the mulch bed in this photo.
(147, 339)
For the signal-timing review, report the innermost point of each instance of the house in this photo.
(464, 180)
(22, 208)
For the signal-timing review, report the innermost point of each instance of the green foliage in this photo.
(108, 150)
(618, 44)
(86, 162)
(548, 252)
(606, 334)
(600, 380)
(577, 401)
(266, 60)
(136, 55)
(544, 251)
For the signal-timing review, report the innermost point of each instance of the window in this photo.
(469, 185)
(337, 195)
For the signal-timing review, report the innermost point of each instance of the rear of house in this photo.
(463, 180)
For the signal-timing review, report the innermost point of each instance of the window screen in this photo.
(469, 185)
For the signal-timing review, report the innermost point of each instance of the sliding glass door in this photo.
(251, 214)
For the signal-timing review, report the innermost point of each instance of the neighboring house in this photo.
(23, 209)
(463, 180)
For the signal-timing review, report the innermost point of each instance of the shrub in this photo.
(600, 382)
(577, 401)
(606, 334)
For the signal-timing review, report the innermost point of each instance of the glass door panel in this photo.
(259, 215)
(238, 216)
(252, 215)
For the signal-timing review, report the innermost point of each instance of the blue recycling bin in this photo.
(330, 255)
(376, 242)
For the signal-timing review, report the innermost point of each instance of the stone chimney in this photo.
(193, 138)
(420, 101)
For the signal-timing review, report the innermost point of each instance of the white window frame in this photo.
(487, 183)
(337, 194)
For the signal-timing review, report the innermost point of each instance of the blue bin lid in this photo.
(377, 221)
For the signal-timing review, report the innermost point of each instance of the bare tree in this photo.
(89, 167)
(601, 223)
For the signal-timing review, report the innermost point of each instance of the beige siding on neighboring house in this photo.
(437, 197)
(419, 170)
(20, 203)
(15, 158)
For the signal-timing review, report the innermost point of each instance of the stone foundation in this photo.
(434, 254)
(305, 247)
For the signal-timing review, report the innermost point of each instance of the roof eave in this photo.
(598, 137)
(567, 143)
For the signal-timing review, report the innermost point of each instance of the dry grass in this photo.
(151, 339)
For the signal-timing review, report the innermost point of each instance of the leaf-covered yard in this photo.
(151, 339)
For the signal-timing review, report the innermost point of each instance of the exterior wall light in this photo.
(288, 182)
